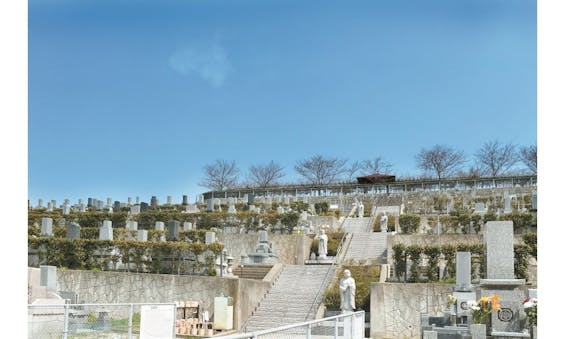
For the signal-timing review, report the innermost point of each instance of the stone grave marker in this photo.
(185, 200)
(39, 203)
(106, 231)
(73, 231)
(187, 226)
(169, 200)
(210, 238)
(129, 201)
(131, 225)
(135, 209)
(499, 247)
(231, 209)
(507, 204)
(108, 202)
(46, 227)
(143, 207)
(463, 290)
(142, 235)
(49, 206)
(66, 209)
(209, 205)
(479, 208)
(137, 200)
(534, 201)
(173, 227)
(154, 202)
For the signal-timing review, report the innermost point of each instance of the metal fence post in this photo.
(309, 331)
(130, 321)
(336, 331)
(66, 322)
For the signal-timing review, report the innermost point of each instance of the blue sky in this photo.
(133, 98)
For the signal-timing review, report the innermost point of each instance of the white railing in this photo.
(343, 326)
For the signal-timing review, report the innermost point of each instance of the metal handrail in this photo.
(287, 327)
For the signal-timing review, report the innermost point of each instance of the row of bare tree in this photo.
(492, 159)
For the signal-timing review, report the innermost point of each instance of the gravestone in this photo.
(187, 226)
(192, 208)
(142, 235)
(106, 232)
(499, 247)
(66, 209)
(135, 209)
(185, 200)
(117, 206)
(231, 209)
(210, 238)
(174, 229)
(49, 206)
(108, 202)
(73, 231)
(534, 201)
(137, 200)
(100, 204)
(216, 202)
(507, 204)
(479, 208)
(250, 198)
(154, 202)
(209, 205)
(54, 202)
(463, 290)
(143, 207)
(39, 203)
(129, 201)
(263, 254)
(159, 226)
(90, 202)
(48, 277)
(81, 208)
(131, 225)
(169, 200)
(46, 227)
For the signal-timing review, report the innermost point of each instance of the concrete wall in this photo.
(290, 248)
(396, 307)
(118, 287)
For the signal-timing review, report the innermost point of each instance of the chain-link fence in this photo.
(111, 321)
(343, 326)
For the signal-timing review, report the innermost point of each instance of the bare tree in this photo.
(376, 165)
(320, 170)
(442, 160)
(496, 158)
(352, 170)
(220, 175)
(263, 176)
(529, 156)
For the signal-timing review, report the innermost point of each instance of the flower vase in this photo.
(478, 331)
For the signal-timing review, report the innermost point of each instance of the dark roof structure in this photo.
(376, 178)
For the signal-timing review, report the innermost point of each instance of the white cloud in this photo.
(210, 63)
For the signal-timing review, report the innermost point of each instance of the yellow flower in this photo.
(495, 302)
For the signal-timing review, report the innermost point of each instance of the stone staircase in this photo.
(358, 225)
(365, 246)
(290, 299)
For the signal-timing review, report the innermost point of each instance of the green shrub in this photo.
(409, 223)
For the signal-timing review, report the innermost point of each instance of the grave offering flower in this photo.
(451, 300)
(531, 309)
(482, 308)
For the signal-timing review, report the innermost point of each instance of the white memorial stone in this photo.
(46, 227)
(106, 231)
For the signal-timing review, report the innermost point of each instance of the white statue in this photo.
(361, 210)
(384, 223)
(347, 292)
(322, 245)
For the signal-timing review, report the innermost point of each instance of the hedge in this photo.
(148, 256)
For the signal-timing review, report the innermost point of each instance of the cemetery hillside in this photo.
(427, 258)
